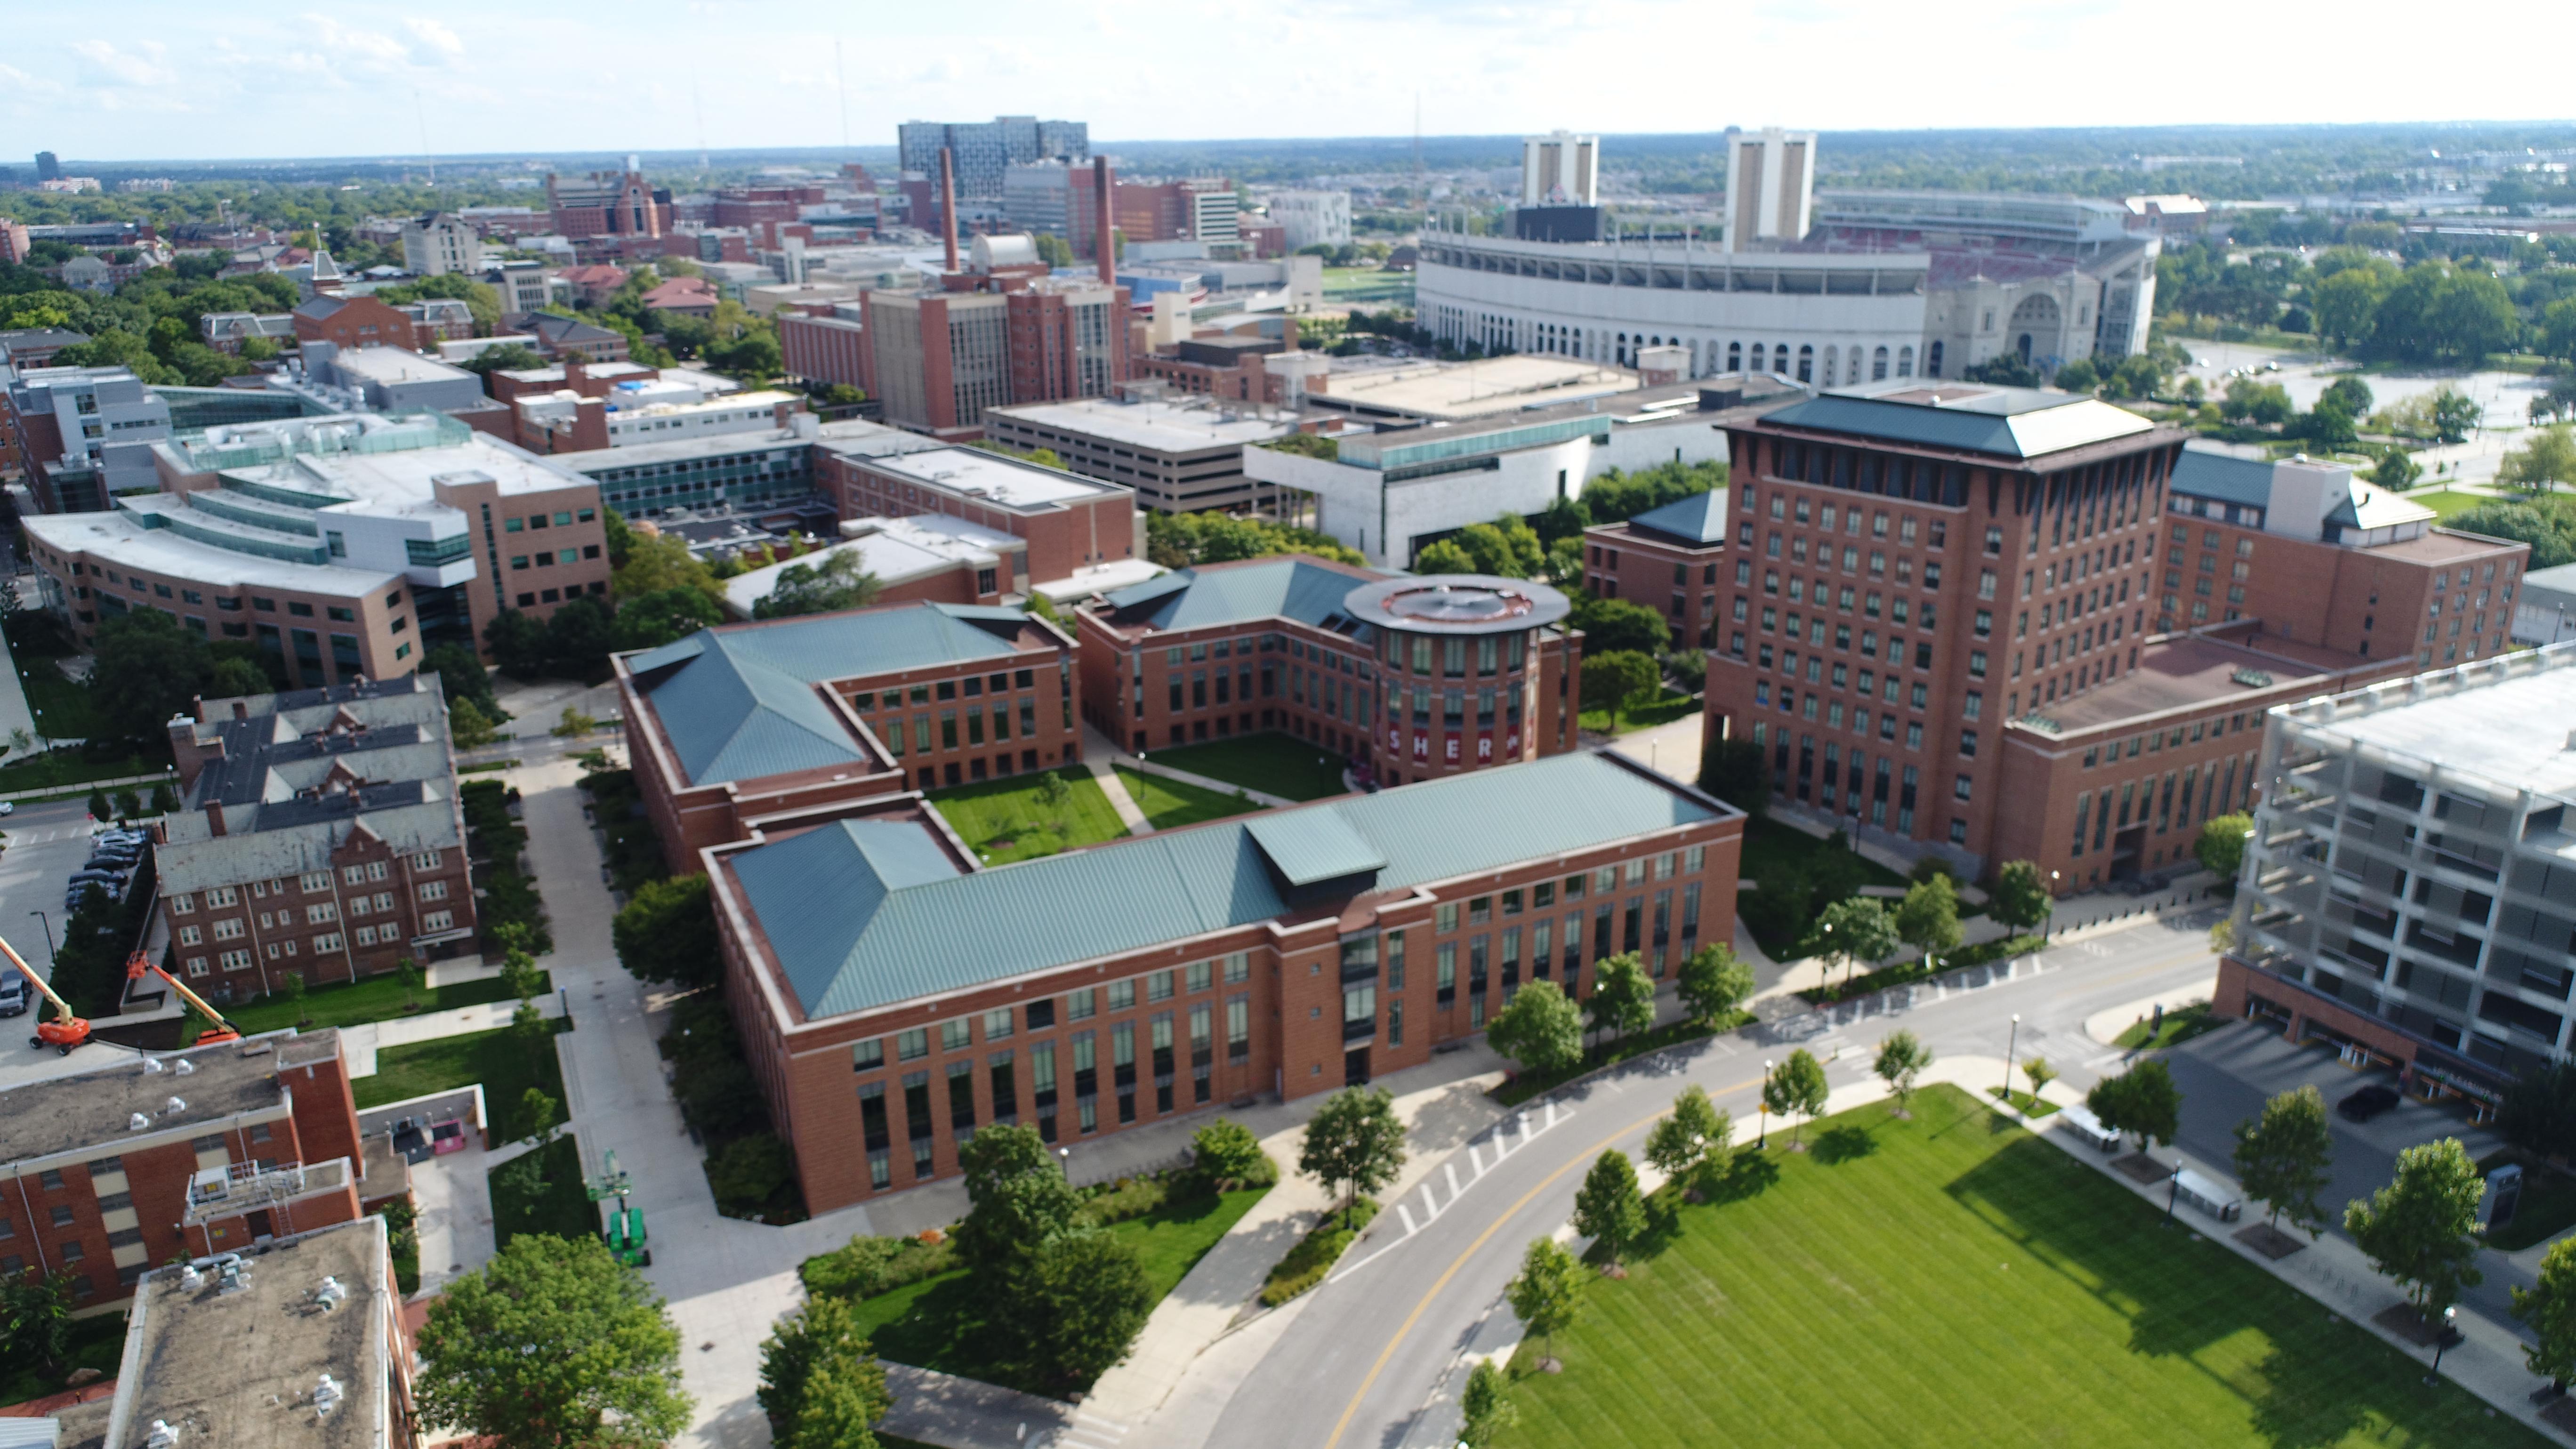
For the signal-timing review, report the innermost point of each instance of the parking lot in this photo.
(45, 844)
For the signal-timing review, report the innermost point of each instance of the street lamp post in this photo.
(49, 937)
(2172, 1196)
(2442, 1340)
(2012, 1044)
(1765, 1114)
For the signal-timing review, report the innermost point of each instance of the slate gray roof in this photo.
(1700, 518)
(1280, 588)
(860, 919)
(746, 701)
(2010, 422)
(2223, 477)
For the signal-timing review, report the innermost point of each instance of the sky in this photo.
(192, 80)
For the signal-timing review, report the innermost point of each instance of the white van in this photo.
(2089, 1127)
(2214, 1198)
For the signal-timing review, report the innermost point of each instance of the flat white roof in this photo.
(113, 538)
(2506, 720)
(1099, 578)
(1478, 389)
(894, 549)
(403, 479)
(394, 364)
(1166, 426)
(974, 473)
(764, 399)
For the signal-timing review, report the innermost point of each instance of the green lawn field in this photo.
(1005, 820)
(378, 998)
(1168, 802)
(1271, 762)
(495, 1058)
(1955, 1281)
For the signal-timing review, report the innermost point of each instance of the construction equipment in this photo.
(138, 964)
(66, 1030)
(625, 1238)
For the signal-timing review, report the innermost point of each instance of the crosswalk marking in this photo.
(1433, 1206)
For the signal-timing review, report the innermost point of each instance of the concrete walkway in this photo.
(1207, 782)
(360, 1043)
(455, 1223)
(1129, 814)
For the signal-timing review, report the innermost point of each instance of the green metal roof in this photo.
(1306, 846)
(2010, 422)
(1700, 518)
(1282, 588)
(744, 701)
(2224, 477)
(855, 925)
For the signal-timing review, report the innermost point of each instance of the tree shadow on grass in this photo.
(1750, 1175)
(1838, 1145)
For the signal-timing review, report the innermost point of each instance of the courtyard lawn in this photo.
(933, 1324)
(561, 1208)
(1955, 1281)
(1770, 847)
(1672, 706)
(2446, 502)
(493, 1058)
(378, 998)
(1270, 762)
(1004, 820)
(1168, 803)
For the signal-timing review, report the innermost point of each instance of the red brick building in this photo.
(608, 203)
(1001, 330)
(181, 1154)
(354, 322)
(741, 721)
(1073, 524)
(1666, 559)
(829, 350)
(1287, 952)
(1407, 678)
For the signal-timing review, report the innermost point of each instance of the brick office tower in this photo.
(1287, 952)
(1407, 678)
(733, 723)
(182, 1154)
(320, 834)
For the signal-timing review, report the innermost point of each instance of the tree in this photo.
(148, 669)
(1226, 1154)
(1928, 918)
(1608, 1208)
(1093, 1299)
(2422, 1229)
(129, 805)
(667, 932)
(2142, 1101)
(291, 986)
(1857, 929)
(817, 1365)
(1615, 625)
(2545, 460)
(2349, 395)
(577, 637)
(1486, 1408)
(1902, 1057)
(99, 809)
(1443, 556)
(652, 620)
(1018, 1202)
(1053, 250)
(1697, 1138)
(36, 1319)
(467, 726)
(1507, 547)
(840, 581)
(2549, 1307)
(1618, 679)
(2538, 1113)
(536, 1117)
(1713, 981)
(1548, 1295)
(2020, 898)
(1797, 1085)
(2454, 414)
(2079, 376)
(2396, 470)
(2038, 1073)
(658, 561)
(2220, 847)
(2439, 313)
(518, 643)
(502, 357)
(2286, 1156)
(2545, 523)
(1354, 1140)
(552, 1342)
(462, 676)
(2345, 305)
(1541, 1029)
(1623, 996)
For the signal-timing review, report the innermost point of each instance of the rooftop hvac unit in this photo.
(330, 1295)
(152, 1067)
(162, 1436)
(137, 1123)
(177, 1104)
(326, 1396)
(185, 1067)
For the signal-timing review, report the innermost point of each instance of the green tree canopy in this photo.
(1541, 1029)
(2438, 312)
(1902, 1057)
(840, 581)
(1354, 1141)
(2545, 460)
(2021, 897)
(1623, 995)
(1619, 678)
(2421, 1229)
(2142, 1101)
(1608, 1208)
(148, 670)
(1797, 1086)
(1548, 1294)
(1226, 1153)
(1615, 626)
(666, 932)
(1507, 547)
(1713, 981)
(1445, 556)
(2220, 846)
(652, 620)
(552, 1342)
(1928, 918)
(2284, 1158)
(1857, 930)
(1734, 771)
(2548, 1307)
(1485, 1407)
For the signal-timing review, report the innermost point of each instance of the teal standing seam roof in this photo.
(2006, 422)
(2246, 482)
(1272, 589)
(851, 933)
(740, 703)
(1700, 518)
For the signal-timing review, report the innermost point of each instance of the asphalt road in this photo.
(1359, 1366)
(45, 844)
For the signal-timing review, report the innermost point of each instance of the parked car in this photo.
(8, 807)
(13, 993)
(2364, 1103)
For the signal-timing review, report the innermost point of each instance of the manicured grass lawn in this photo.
(1769, 846)
(378, 998)
(1168, 803)
(1005, 820)
(933, 1324)
(1955, 1281)
(2445, 502)
(1270, 762)
(562, 1208)
(2179, 1026)
(493, 1058)
(1637, 717)
(62, 707)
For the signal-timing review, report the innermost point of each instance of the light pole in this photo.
(2174, 1195)
(1765, 1114)
(2442, 1340)
(49, 938)
(2012, 1043)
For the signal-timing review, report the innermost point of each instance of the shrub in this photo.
(865, 1267)
(1315, 1254)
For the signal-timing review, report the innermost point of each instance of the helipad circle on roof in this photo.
(1457, 604)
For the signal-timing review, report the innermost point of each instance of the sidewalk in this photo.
(360, 1043)
(1129, 814)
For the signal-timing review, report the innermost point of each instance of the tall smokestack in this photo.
(948, 205)
(1103, 245)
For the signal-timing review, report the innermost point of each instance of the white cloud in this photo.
(144, 65)
(432, 43)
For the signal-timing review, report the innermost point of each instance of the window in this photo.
(912, 1045)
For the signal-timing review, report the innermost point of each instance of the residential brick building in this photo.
(1083, 534)
(1287, 952)
(829, 350)
(737, 722)
(181, 1154)
(1666, 559)
(350, 323)
(562, 337)
(320, 833)
(1407, 678)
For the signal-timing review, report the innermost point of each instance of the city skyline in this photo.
(187, 84)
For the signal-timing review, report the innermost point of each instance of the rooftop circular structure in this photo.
(1456, 604)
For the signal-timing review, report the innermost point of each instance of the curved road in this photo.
(1361, 1363)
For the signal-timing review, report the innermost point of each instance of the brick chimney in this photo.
(948, 205)
(1104, 247)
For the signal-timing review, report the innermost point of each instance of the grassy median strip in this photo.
(1316, 1253)
(1523, 1085)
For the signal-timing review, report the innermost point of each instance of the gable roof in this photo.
(2010, 422)
(566, 329)
(1700, 518)
(742, 702)
(1288, 587)
(857, 922)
